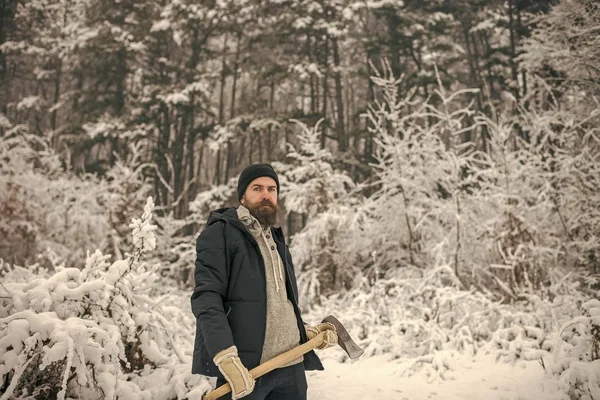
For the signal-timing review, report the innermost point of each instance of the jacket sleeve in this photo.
(210, 289)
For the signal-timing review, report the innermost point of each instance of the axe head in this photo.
(344, 339)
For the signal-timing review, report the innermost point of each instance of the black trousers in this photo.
(287, 383)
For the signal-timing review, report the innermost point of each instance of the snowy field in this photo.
(472, 378)
(478, 377)
(120, 330)
(452, 375)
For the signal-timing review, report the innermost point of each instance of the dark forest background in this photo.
(175, 98)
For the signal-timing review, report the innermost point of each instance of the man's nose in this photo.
(265, 195)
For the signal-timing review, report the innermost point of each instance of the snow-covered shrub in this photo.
(562, 48)
(575, 163)
(18, 274)
(311, 184)
(425, 317)
(504, 217)
(217, 196)
(175, 250)
(44, 207)
(507, 214)
(417, 179)
(313, 187)
(520, 342)
(564, 122)
(126, 190)
(577, 357)
(95, 332)
(407, 314)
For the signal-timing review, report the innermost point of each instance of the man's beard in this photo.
(265, 212)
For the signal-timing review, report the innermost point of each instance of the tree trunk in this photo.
(230, 158)
(523, 74)
(313, 89)
(272, 93)
(475, 77)
(241, 149)
(486, 43)
(368, 149)
(470, 60)
(121, 77)
(271, 111)
(162, 147)
(235, 76)
(341, 131)
(190, 164)
(251, 147)
(7, 13)
(260, 146)
(325, 92)
(223, 78)
(198, 177)
(189, 171)
(217, 179)
(178, 158)
(57, 79)
(513, 53)
(348, 93)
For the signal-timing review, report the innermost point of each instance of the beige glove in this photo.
(330, 339)
(235, 373)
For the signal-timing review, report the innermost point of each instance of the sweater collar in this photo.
(250, 221)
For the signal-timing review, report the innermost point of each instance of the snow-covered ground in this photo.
(119, 330)
(472, 378)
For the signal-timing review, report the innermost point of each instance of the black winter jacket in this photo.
(230, 300)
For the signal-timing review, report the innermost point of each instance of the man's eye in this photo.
(271, 189)
(256, 189)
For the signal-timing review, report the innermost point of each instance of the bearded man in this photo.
(246, 298)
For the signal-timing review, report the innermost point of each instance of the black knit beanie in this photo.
(252, 172)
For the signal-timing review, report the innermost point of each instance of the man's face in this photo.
(260, 198)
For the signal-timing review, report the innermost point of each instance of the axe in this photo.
(344, 340)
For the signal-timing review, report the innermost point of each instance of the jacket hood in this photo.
(230, 217)
(229, 214)
(218, 215)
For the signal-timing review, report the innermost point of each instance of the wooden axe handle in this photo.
(272, 364)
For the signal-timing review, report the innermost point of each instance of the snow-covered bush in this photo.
(562, 46)
(507, 213)
(96, 332)
(49, 212)
(505, 218)
(426, 317)
(126, 190)
(326, 196)
(485, 209)
(217, 196)
(44, 208)
(577, 356)
(418, 178)
(563, 125)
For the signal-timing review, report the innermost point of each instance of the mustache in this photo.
(267, 203)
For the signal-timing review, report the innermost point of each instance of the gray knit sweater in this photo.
(281, 332)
